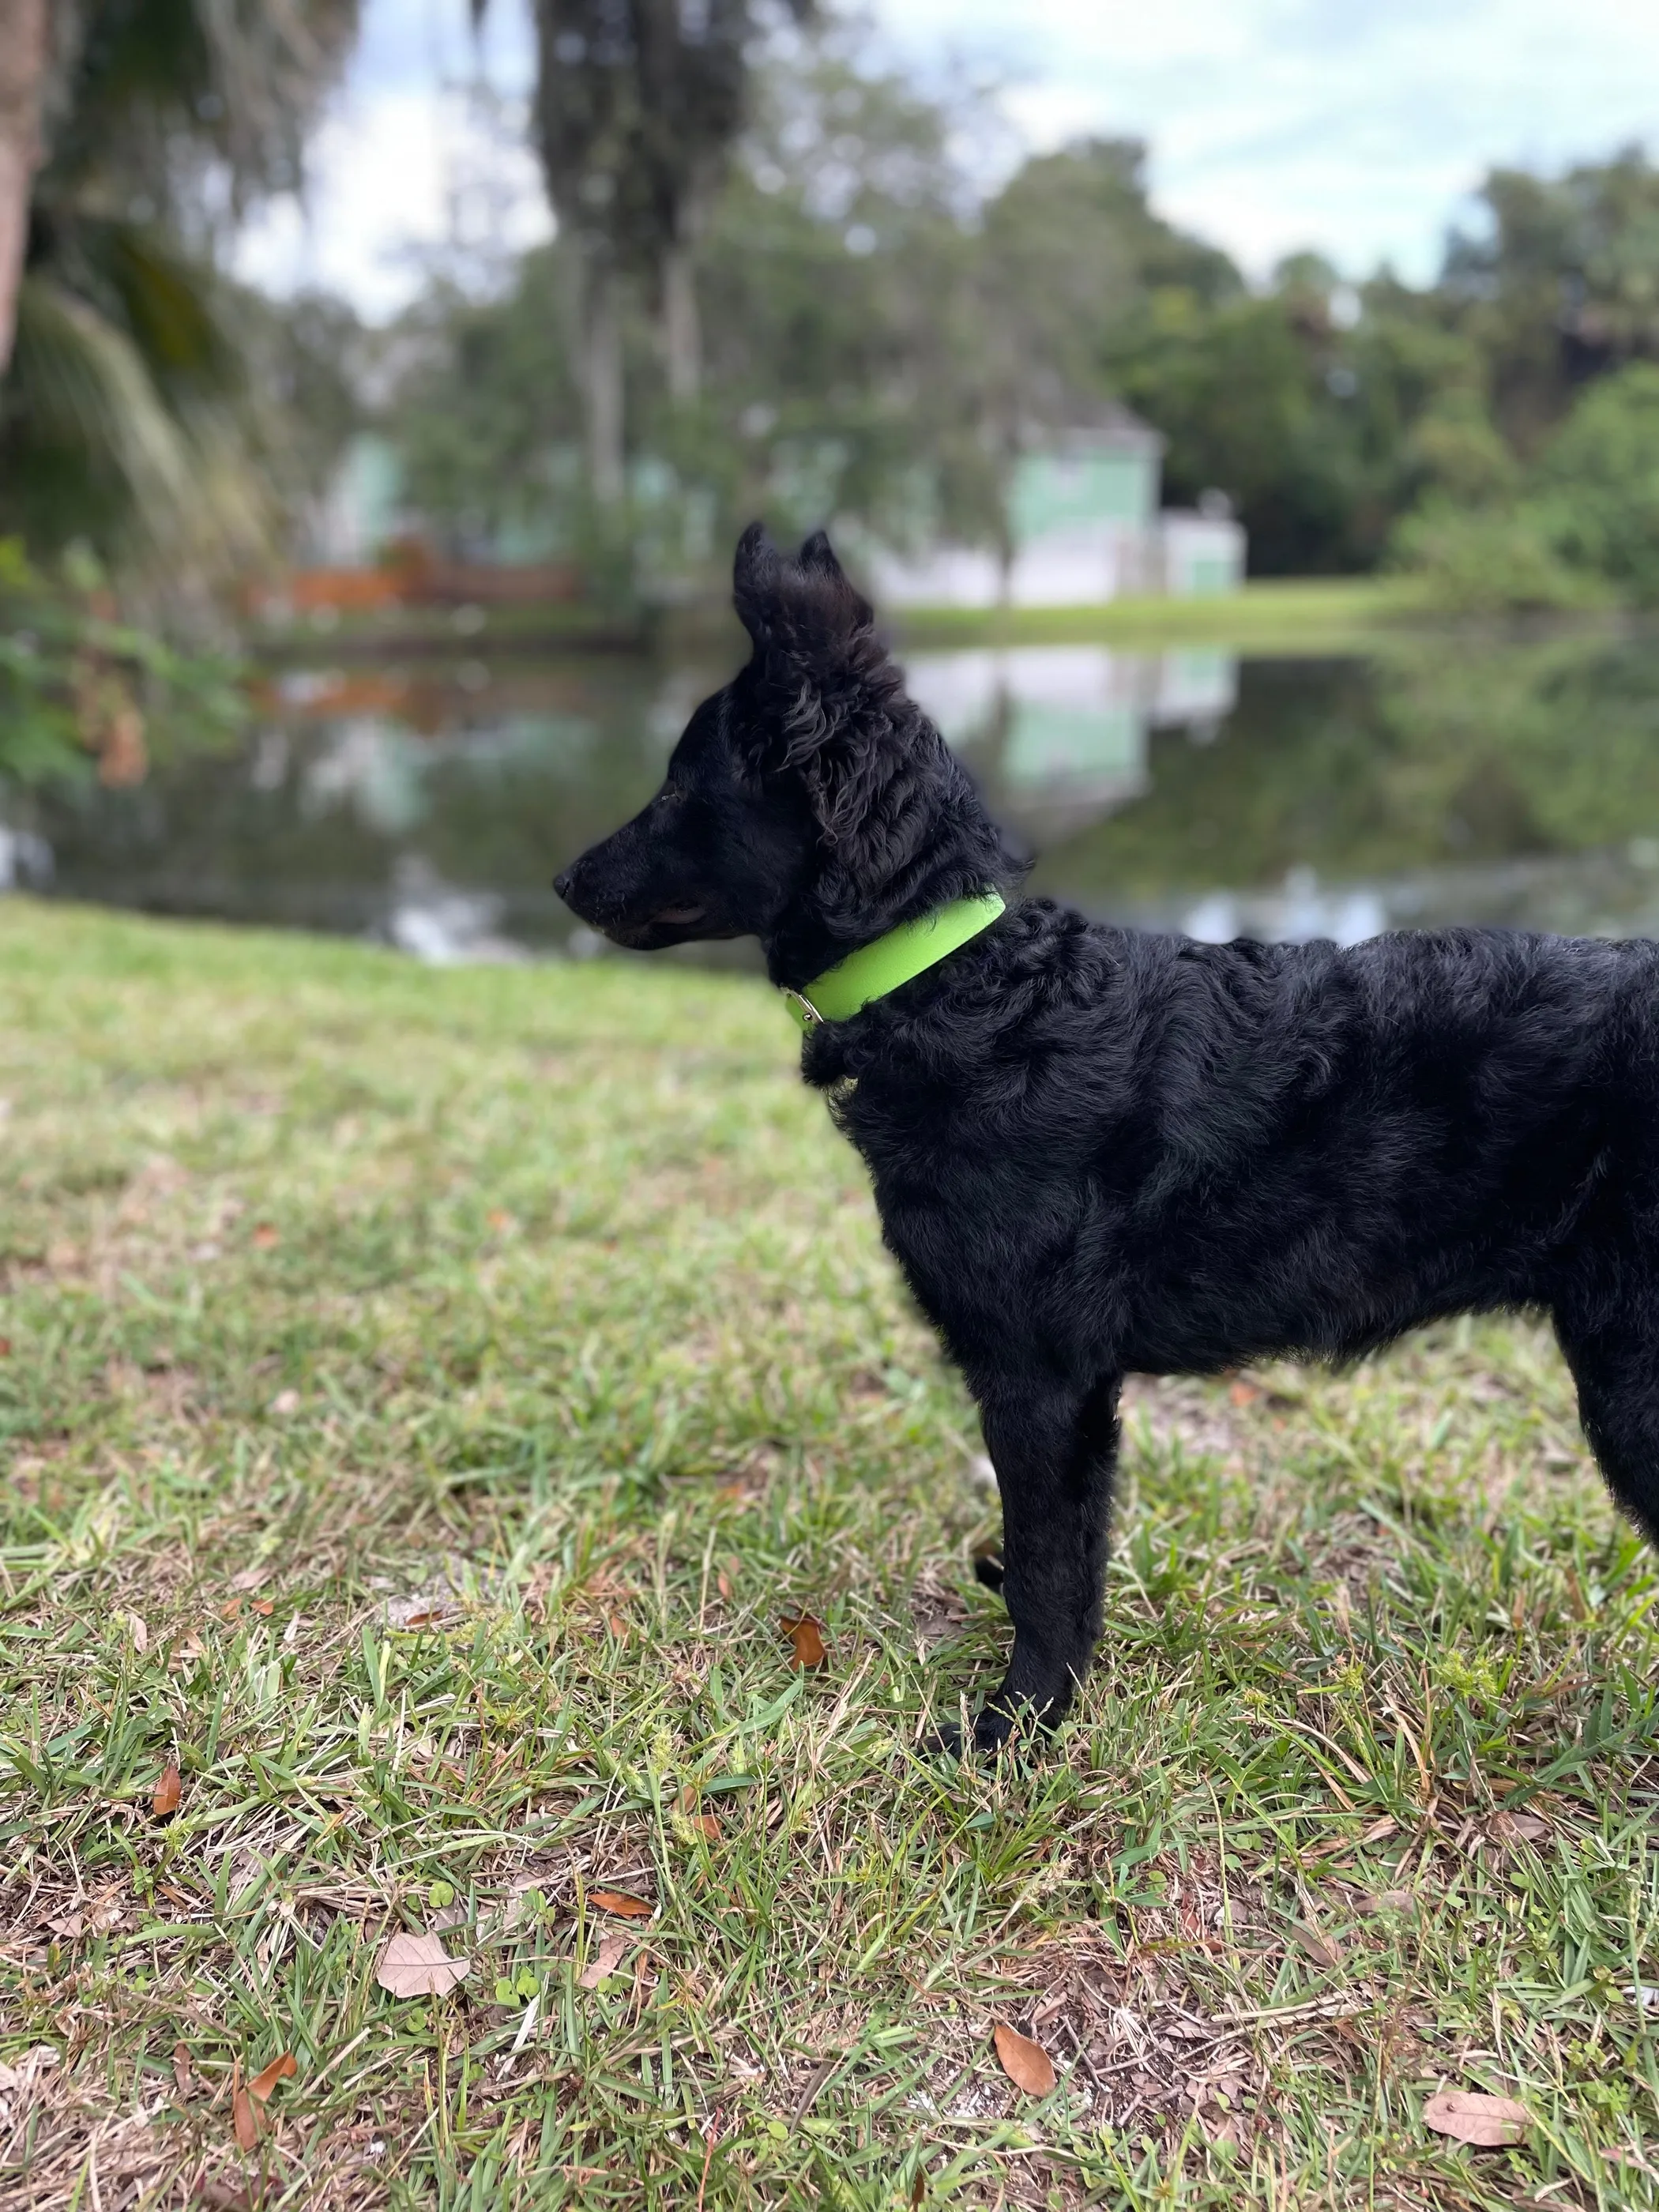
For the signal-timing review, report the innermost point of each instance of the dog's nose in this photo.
(562, 882)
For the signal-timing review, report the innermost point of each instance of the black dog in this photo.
(1098, 1151)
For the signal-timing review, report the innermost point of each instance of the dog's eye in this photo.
(670, 795)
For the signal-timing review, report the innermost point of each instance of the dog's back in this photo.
(1138, 1149)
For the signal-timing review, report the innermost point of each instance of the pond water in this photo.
(429, 806)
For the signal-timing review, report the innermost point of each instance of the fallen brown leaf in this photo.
(280, 2069)
(250, 1578)
(243, 2118)
(1528, 1827)
(265, 1235)
(181, 2069)
(221, 2194)
(1243, 1394)
(1386, 1900)
(169, 1789)
(430, 1608)
(1027, 2064)
(619, 1901)
(139, 1633)
(723, 1583)
(1323, 1950)
(1475, 2118)
(419, 1966)
(807, 1636)
(606, 1960)
(263, 1606)
(699, 1823)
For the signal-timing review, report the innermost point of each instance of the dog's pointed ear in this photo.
(817, 556)
(755, 575)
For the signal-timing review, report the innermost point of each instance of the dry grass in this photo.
(420, 1398)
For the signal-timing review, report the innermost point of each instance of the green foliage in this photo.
(1581, 526)
(1600, 477)
(80, 689)
(1073, 257)
(1490, 560)
(486, 415)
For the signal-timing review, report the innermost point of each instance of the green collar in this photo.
(907, 951)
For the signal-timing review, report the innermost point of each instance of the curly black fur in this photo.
(1098, 1151)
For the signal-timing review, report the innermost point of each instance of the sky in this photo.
(1356, 127)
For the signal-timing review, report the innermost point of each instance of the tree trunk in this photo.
(682, 329)
(22, 81)
(602, 381)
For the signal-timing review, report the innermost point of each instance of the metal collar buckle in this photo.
(809, 1016)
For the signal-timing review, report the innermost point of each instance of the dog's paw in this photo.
(992, 1731)
(945, 1741)
(995, 1728)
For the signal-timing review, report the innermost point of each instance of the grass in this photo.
(422, 1396)
(1288, 615)
(394, 632)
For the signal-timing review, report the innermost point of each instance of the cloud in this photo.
(1358, 127)
(409, 166)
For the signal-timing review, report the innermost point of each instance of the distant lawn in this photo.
(1288, 614)
(422, 1396)
(1293, 614)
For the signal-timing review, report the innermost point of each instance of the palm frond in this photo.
(80, 384)
(237, 81)
(88, 426)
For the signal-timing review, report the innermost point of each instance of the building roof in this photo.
(1106, 426)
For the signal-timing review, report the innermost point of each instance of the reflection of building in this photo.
(1059, 732)
(1086, 527)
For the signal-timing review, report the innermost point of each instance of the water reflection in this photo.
(428, 809)
(1059, 734)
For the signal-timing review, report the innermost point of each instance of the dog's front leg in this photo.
(1054, 1448)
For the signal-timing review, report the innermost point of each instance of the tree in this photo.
(638, 103)
(846, 360)
(1071, 265)
(1561, 287)
(24, 38)
(485, 413)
